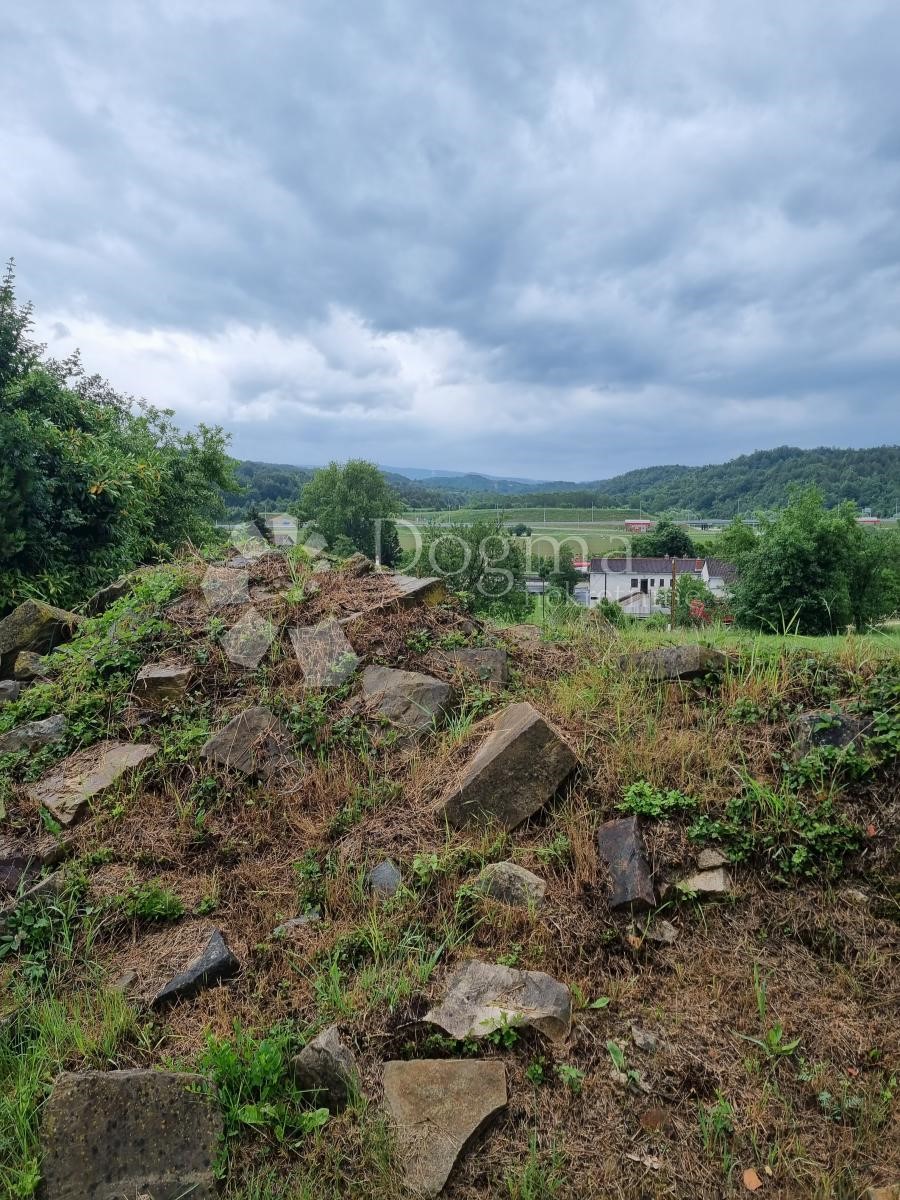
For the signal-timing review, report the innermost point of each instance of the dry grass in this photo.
(708, 1103)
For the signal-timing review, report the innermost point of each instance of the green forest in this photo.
(762, 480)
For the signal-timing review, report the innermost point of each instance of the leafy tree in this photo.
(665, 538)
(815, 571)
(90, 483)
(687, 588)
(733, 543)
(354, 501)
(481, 562)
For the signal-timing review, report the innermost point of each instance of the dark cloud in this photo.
(548, 241)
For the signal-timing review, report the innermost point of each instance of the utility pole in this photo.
(672, 597)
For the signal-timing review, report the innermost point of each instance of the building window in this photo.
(634, 583)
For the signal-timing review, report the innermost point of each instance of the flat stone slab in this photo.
(415, 590)
(487, 664)
(214, 965)
(33, 734)
(675, 662)
(325, 656)
(254, 742)
(716, 882)
(112, 1134)
(837, 730)
(73, 783)
(328, 1069)
(35, 626)
(437, 1106)
(621, 847)
(161, 683)
(511, 884)
(482, 997)
(515, 771)
(412, 702)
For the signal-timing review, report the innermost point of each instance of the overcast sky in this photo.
(552, 240)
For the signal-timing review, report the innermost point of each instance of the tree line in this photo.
(91, 481)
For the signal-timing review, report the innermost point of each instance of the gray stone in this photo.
(412, 702)
(107, 596)
(357, 565)
(108, 1135)
(707, 860)
(644, 1039)
(663, 932)
(288, 929)
(321, 566)
(214, 965)
(437, 1106)
(706, 883)
(325, 656)
(27, 666)
(511, 884)
(414, 590)
(33, 734)
(254, 742)
(161, 683)
(621, 847)
(486, 663)
(675, 662)
(22, 861)
(327, 1068)
(34, 626)
(67, 789)
(516, 770)
(384, 879)
(482, 997)
(9, 691)
(836, 730)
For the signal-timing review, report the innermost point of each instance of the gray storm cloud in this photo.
(556, 241)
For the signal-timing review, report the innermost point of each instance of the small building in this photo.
(633, 525)
(634, 583)
(868, 520)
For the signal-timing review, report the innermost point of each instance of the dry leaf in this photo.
(752, 1181)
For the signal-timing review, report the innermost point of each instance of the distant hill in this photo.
(763, 479)
(870, 477)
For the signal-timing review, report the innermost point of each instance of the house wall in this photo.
(617, 584)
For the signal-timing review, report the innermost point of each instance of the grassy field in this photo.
(528, 516)
(714, 1042)
(583, 539)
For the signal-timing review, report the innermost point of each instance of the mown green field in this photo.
(585, 540)
(530, 516)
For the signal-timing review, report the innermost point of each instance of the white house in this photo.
(634, 583)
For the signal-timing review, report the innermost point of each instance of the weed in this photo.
(151, 902)
(419, 640)
(255, 1088)
(536, 1071)
(572, 1077)
(539, 1179)
(717, 1131)
(794, 837)
(557, 852)
(646, 800)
